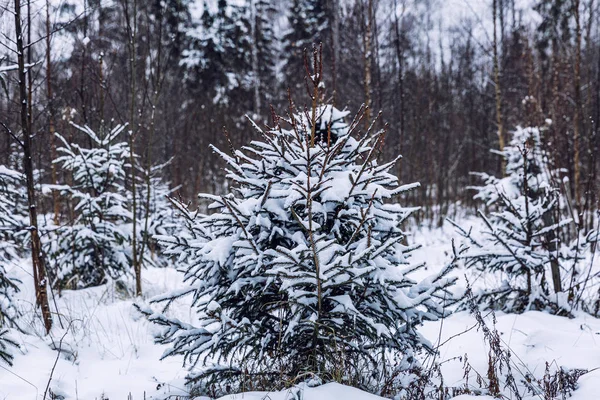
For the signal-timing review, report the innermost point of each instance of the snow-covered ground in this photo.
(108, 350)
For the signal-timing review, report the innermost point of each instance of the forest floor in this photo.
(107, 349)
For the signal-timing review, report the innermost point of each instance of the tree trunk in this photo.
(368, 56)
(499, 119)
(501, 17)
(254, 51)
(131, 30)
(156, 88)
(595, 149)
(335, 31)
(51, 122)
(578, 111)
(39, 268)
(400, 56)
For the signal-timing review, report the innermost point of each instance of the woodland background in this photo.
(181, 71)
(454, 80)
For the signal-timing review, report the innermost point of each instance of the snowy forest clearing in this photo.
(208, 203)
(303, 274)
(108, 348)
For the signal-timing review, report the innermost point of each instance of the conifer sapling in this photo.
(518, 247)
(96, 245)
(12, 223)
(301, 270)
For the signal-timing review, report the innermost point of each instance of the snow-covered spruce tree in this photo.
(96, 244)
(518, 245)
(11, 223)
(8, 313)
(301, 270)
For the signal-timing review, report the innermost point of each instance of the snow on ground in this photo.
(107, 350)
(328, 391)
(534, 339)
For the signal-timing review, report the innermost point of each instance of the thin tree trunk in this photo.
(156, 86)
(595, 148)
(83, 65)
(254, 51)
(335, 31)
(378, 101)
(499, 119)
(587, 109)
(39, 268)
(102, 89)
(368, 56)
(514, 16)
(51, 122)
(578, 111)
(131, 30)
(527, 215)
(400, 56)
(29, 75)
(501, 17)
(315, 79)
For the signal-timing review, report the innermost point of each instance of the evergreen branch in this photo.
(363, 219)
(247, 236)
(506, 246)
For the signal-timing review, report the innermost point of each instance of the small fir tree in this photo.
(519, 242)
(8, 314)
(302, 268)
(12, 219)
(12, 222)
(96, 245)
